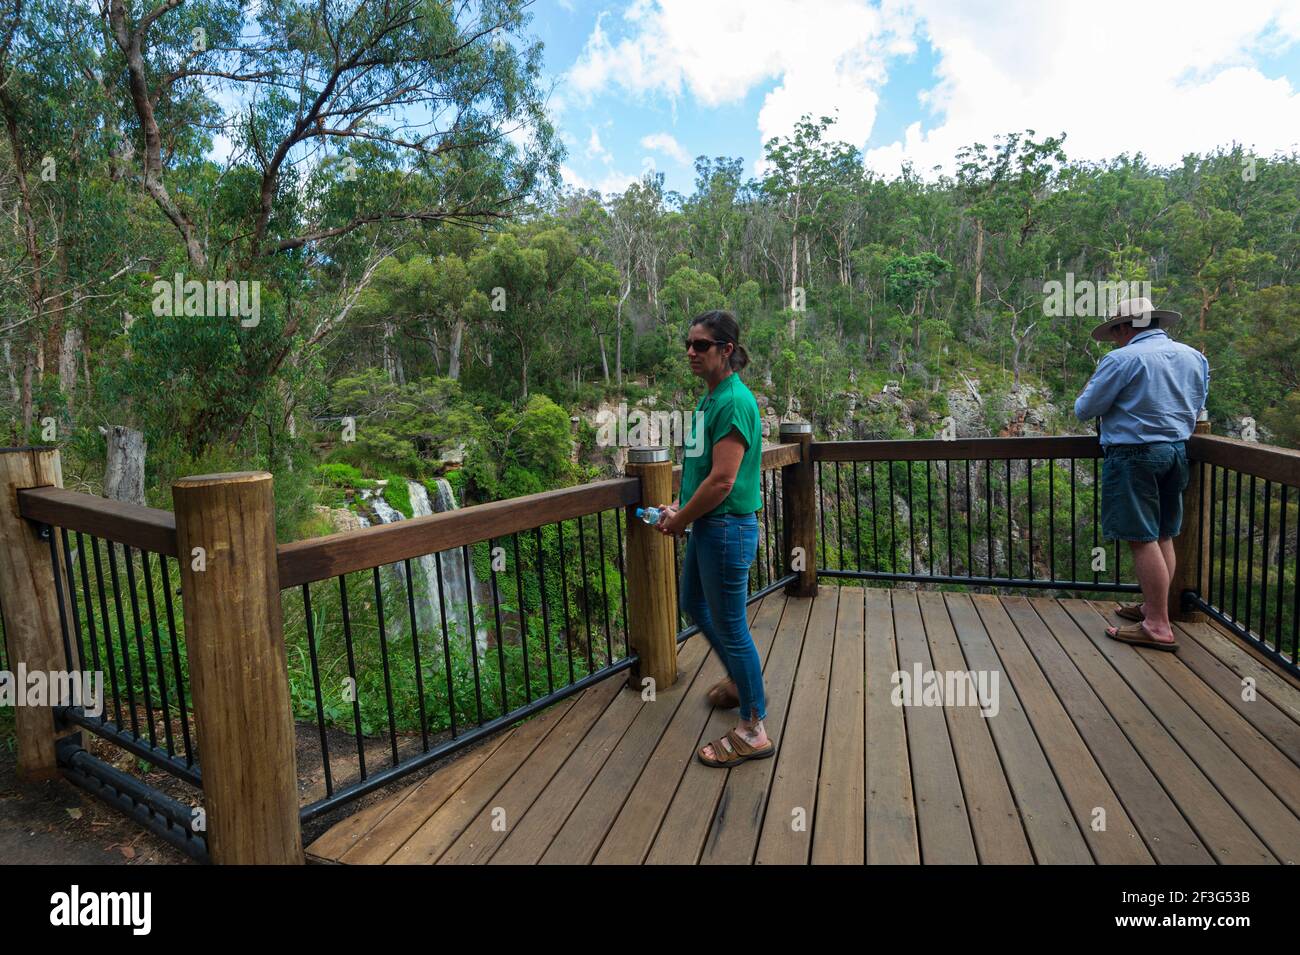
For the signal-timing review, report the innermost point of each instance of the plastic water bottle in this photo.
(649, 515)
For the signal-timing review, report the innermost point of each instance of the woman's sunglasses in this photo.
(702, 345)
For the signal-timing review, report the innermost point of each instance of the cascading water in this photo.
(456, 585)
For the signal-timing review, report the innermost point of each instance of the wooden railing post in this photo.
(31, 609)
(799, 512)
(1191, 546)
(225, 535)
(651, 574)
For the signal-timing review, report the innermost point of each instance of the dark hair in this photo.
(723, 327)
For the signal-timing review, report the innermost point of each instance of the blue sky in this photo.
(657, 82)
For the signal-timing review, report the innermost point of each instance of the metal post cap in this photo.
(796, 427)
(648, 455)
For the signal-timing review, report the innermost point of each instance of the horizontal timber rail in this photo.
(320, 558)
(959, 449)
(144, 528)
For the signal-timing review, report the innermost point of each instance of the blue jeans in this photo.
(715, 582)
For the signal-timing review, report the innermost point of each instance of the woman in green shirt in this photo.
(719, 497)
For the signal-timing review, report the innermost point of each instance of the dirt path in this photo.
(54, 822)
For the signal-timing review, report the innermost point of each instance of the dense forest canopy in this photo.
(381, 181)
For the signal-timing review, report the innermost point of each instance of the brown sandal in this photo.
(1138, 636)
(723, 696)
(735, 752)
(1131, 612)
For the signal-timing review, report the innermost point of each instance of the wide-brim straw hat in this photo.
(1140, 313)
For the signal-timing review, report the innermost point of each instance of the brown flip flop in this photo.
(1138, 636)
(735, 752)
(1131, 612)
(722, 696)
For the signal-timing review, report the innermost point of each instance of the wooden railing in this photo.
(232, 573)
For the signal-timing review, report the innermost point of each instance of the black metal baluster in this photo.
(1096, 519)
(139, 645)
(90, 612)
(893, 530)
(988, 513)
(1201, 531)
(546, 616)
(58, 597)
(821, 510)
(564, 590)
(1051, 519)
(929, 516)
(122, 639)
(316, 686)
(839, 514)
(970, 524)
(1263, 591)
(947, 518)
(1029, 474)
(586, 593)
(857, 520)
(911, 524)
(1011, 547)
(446, 644)
(181, 705)
(72, 604)
(1236, 542)
(1236, 546)
(604, 589)
(1074, 530)
(415, 653)
(472, 636)
(354, 687)
(622, 578)
(159, 669)
(383, 656)
(521, 609)
(1223, 540)
(108, 633)
(1281, 568)
(496, 617)
(875, 519)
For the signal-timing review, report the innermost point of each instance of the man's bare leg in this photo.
(1154, 560)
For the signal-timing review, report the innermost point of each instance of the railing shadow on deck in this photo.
(393, 646)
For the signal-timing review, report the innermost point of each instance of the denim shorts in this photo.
(1142, 490)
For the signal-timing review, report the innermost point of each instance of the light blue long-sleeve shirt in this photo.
(1149, 390)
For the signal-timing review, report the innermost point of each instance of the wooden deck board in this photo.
(1098, 752)
(995, 821)
(1111, 835)
(687, 820)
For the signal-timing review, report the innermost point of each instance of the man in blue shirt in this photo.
(1148, 393)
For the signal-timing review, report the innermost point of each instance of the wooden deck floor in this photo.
(1099, 753)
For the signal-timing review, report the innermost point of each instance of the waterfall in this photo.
(456, 587)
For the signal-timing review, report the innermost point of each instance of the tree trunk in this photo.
(124, 474)
(979, 263)
(453, 360)
(69, 355)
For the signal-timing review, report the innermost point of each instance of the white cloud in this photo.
(1164, 77)
(667, 144)
(828, 55)
(1161, 78)
(595, 150)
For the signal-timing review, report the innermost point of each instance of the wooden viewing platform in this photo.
(1099, 753)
